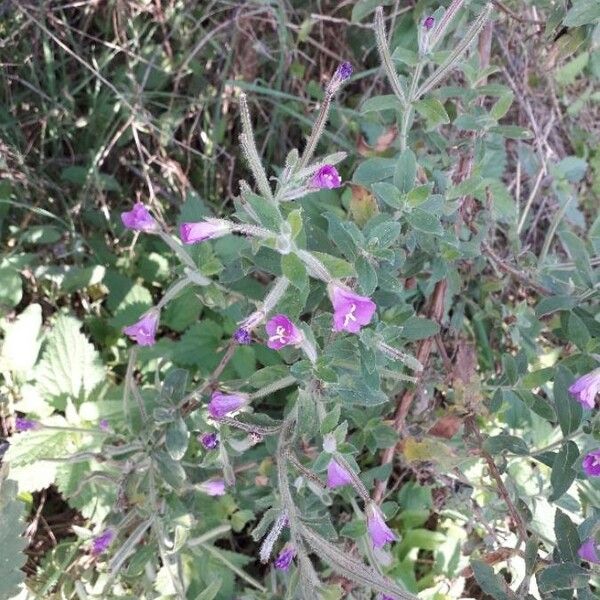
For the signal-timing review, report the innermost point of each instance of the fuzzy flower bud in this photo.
(429, 22)
(210, 441)
(139, 219)
(22, 424)
(194, 233)
(101, 542)
(585, 389)
(285, 558)
(326, 178)
(221, 405)
(213, 487)
(144, 331)
(242, 336)
(591, 464)
(378, 530)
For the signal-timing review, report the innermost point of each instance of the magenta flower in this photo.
(282, 332)
(350, 311)
(326, 178)
(591, 464)
(588, 551)
(213, 487)
(104, 425)
(428, 23)
(101, 542)
(378, 530)
(585, 389)
(194, 233)
(337, 476)
(242, 336)
(285, 558)
(144, 331)
(22, 424)
(139, 219)
(221, 404)
(209, 440)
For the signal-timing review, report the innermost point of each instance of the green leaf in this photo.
(171, 472)
(568, 410)
(293, 268)
(491, 583)
(379, 103)
(405, 172)
(425, 222)
(498, 443)
(563, 474)
(566, 576)
(388, 194)
(176, 439)
(367, 276)
(547, 306)
(582, 12)
(433, 110)
(374, 170)
(70, 365)
(567, 538)
(211, 591)
(538, 405)
(417, 328)
(385, 234)
(12, 538)
(174, 386)
(502, 106)
(22, 341)
(512, 132)
(11, 289)
(268, 214)
(294, 220)
(337, 267)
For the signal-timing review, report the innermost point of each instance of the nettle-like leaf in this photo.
(12, 541)
(70, 365)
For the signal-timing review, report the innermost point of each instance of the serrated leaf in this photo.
(293, 268)
(425, 222)
(367, 276)
(12, 539)
(433, 111)
(70, 365)
(169, 470)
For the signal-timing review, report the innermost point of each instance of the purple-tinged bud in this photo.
(221, 405)
(378, 530)
(326, 178)
(242, 336)
(144, 331)
(429, 23)
(103, 425)
(350, 311)
(210, 441)
(585, 389)
(139, 219)
(344, 71)
(591, 464)
(101, 542)
(194, 233)
(337, 476)
(282, 332)
(213, 487)
(22, 424)
(285, 558)
(589, 551)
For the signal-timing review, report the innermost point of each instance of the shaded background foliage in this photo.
(104, 103)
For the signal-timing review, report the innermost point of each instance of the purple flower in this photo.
(22, 424)
(337, 476)
(242, 336)
(326, 178)
(344, 71)
(104, 425)
(591, 464)
(585, 388)
(350, 311)
(284, 560)
(213, 487)
(428, 23)
(588, 551)
(378, 530)
(282, 332)
(193, 233)
(221, 404)
(101, 542)
(139, 219)
(144, 331)
(209, 440)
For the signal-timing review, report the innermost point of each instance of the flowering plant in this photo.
(330, 388)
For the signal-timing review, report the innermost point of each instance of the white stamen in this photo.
(350, 315)
(279, 335)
